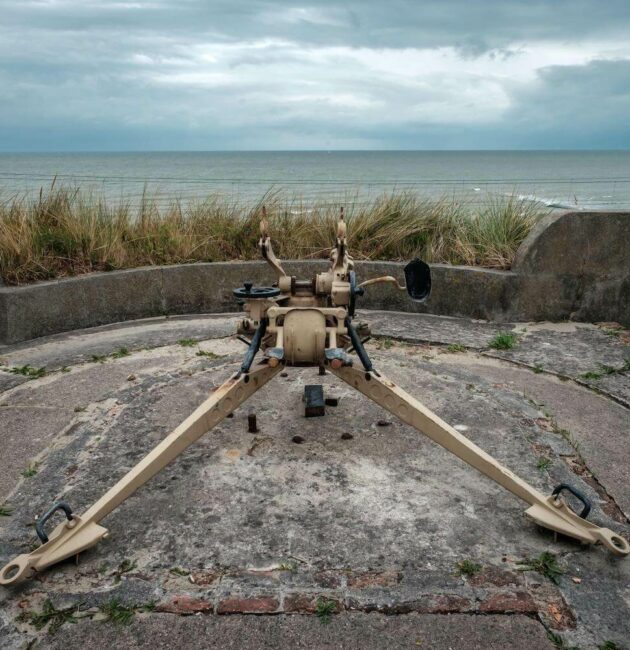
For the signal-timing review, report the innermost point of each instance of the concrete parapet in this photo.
(574, 265)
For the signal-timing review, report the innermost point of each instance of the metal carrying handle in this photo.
(39, 525)
(381, 280)
(577, 494)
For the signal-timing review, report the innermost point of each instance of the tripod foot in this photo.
(67, 539)
(556, 515)
(550, 512)
(80, 532)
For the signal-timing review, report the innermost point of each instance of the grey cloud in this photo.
(79, 74)
(575, 106)
(398, 23)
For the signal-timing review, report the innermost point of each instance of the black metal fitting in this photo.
(577, 494)
(39, 524)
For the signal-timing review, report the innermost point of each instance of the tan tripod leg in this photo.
(81, 532)
(549, 512)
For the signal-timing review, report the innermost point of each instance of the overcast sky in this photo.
(240, 74)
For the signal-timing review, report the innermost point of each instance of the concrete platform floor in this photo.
(363, 518)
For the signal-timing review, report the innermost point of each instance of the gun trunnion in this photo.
(306, 323)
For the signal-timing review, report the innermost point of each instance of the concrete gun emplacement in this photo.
(306, 323)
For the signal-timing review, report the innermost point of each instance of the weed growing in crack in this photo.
(570, 438)
(504, 341)
(467, 568)
(546, 564)
(120, 353)
(98, 358)
(124, 567)
(324, 609)
(288, 566)
(604, 370)
(208, 354)
(453, 348)
(179, 572)
(609, 645)
(538, 369)
(598, 374)
(187, 343)
(117, 612)
(532, 401)
(5, 511)
(559, 642)
(30, 471)
(543, 463)
(28, 371)
(50, 616)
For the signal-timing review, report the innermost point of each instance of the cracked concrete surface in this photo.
(374, 522)
(351, 632)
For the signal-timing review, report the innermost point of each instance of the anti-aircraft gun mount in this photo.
(306, 323)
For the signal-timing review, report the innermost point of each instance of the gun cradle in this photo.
(305, 323)
(304, 335)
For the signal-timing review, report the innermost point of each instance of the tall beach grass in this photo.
(65, 231)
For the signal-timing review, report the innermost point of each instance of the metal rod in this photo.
(358, 346)
(254, 346)
(364, 341)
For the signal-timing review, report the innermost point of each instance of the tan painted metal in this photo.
(305, 325)
(304, 336)
(72, 537)
(548, 512)
(383, 280)
(265, 245)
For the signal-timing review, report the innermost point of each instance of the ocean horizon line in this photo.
(272, 151)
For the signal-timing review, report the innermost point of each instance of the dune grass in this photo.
(67, 232)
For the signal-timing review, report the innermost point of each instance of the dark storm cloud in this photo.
(577, 106)
(81, 74)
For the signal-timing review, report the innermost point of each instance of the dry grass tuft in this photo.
(66, 232)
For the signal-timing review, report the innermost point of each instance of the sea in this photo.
(581, 180)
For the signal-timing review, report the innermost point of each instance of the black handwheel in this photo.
(248, 292)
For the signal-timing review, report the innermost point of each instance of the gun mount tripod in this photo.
(306, 323)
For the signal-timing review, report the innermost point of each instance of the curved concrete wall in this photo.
(574, 265)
